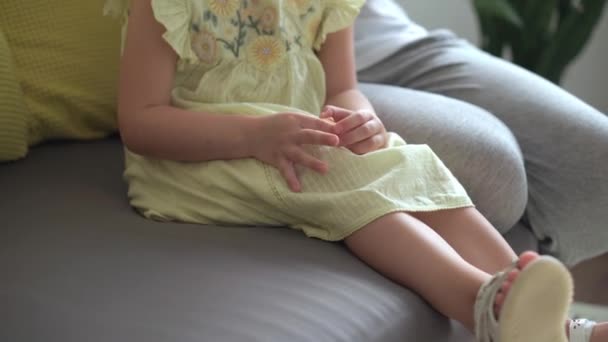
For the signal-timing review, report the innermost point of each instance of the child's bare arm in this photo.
(359, 128)
(150, 126)
(337, 57)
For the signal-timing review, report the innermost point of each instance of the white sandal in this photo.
(580, 330)
(535, 309)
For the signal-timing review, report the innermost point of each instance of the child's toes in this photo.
(526, 258)
(498, 301)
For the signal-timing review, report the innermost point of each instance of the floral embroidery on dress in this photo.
(269, 19)
(229, 25)
(266, 51)
(204, 45)
(223, 8)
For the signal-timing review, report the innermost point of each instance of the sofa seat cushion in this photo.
(79, 264)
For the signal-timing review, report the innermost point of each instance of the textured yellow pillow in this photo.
(13, 124)
(65, 57)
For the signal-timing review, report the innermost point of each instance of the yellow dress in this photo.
(257, 57)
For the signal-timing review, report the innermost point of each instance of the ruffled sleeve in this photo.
(174, 15)
(337, 15)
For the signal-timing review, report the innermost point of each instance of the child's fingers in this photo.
(311, 122)
(312, 137)
(325, 113)
(361, 133)
(300, 156)
(337, 113)
(368, 145)
(354, 120)
(288, 171)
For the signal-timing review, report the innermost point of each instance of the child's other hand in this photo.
(280, 140)
(359, 131)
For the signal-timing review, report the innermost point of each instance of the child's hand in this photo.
(281, 137)
(360, 131)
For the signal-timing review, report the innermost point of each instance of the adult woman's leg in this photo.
(563, 140)
(482, 154)
(565, 147)
(477, 148)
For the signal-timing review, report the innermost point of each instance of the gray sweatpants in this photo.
(527, 151)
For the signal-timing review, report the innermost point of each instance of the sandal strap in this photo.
(486, 326)
(580, 330)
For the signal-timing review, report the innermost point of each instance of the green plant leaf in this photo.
(571, 37)
(492, 40)
(528, 45)
(544, 36)
(537, 15)
(500, 9)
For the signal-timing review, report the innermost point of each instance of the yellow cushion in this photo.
(65, 56)
(13, 124)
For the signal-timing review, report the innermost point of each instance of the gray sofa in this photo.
(78, 264)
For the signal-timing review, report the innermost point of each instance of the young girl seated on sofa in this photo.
(247, 112)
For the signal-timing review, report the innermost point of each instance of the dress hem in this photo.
(462, 202)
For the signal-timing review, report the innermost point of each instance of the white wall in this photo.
(587, 77)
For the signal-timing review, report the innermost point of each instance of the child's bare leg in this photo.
(396, 245)
(472, 236)
(479, 243)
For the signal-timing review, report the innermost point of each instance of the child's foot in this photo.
(600, 331)
(527, 304)
(524, 260)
